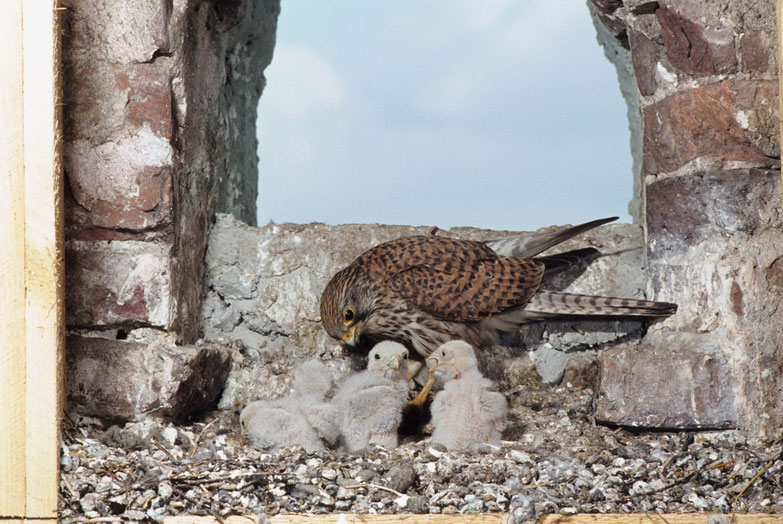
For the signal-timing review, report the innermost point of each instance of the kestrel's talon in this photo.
(421, 398)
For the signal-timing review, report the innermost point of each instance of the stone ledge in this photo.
(121, 380)
(670, 381)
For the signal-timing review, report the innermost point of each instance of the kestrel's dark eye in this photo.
(348, 315)
(377, 356)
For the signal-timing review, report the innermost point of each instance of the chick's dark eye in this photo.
(443, 353)
(405, 356)
(377, 356)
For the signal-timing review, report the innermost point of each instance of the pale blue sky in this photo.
(493, 113)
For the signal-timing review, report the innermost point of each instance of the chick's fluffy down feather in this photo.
(467, 411)
(370, 402)
(302, 418)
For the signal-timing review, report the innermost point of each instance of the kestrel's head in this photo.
(452, 359)
(389, 359)
(346, 304)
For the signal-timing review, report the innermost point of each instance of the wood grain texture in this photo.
(31, 265)
(583, 518)
(12, 302)
(44, 317)
(668, 518)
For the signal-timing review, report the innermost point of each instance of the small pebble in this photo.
(549, 466)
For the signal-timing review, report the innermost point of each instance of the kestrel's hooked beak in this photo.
(351, 337)
(432, 364)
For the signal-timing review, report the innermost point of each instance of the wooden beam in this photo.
(44, 317)
(31, 265)
(348, 518)
(667, 518)
(28, 521)
(12, 301)
(585, 518)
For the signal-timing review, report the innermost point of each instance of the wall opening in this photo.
(502, 117)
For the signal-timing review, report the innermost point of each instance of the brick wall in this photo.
(706, 78)
(160, 101)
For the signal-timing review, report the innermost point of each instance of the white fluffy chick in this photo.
(467, 410)
(303, 417)
(370, 403)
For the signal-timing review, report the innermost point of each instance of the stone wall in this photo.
(700, 79)
(706, 78)
(160, 101)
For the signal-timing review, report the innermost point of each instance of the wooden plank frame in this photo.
(31, 276)
(31, 261)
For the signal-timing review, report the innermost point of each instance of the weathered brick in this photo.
(124, 380)
(645, 55)
(682, 382)
(605, 10)
(698, 123)
(149, 95)
(686, 210)
(118, 283)
(688, 50)
(757, 50)
(124, 184)
(119, 31)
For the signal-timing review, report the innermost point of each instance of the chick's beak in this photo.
(432, 364)
(396, 363)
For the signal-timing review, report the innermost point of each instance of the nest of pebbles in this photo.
(556, 460)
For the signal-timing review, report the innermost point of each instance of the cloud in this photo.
(504, 48)
(302, 82)
(481, 16)
(533, 28)
(443, 112)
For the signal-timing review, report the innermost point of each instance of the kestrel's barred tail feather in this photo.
(552, 303)
(526, 245)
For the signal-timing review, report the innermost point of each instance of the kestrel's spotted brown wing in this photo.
(469, 292)
(424, 291)
(453, 280)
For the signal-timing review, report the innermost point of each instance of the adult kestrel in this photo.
(423, 291)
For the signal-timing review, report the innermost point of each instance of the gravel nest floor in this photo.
(556, 460)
